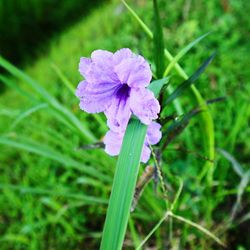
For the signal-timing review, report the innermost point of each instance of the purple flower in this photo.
(115, 83)
(113, 141)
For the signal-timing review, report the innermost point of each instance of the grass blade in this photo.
(177, 127)
(64, 79)
(123, 186)
(47, 152)
(72, 89)
(182, 53)
(138, 19)
(241, 188)
(48, 98)
(235, 164)
(206, 121)
(39, 191)
(202, 229)
(21, 75)
(158, 42)
(153, 230)
(28, 112)
(187, 83)
(11, 84)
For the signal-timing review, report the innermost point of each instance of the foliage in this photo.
(29, 19)
(49, 201)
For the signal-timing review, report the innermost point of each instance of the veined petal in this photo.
(98, 68)
(84, 66)
(102, 57)
(134, 71)
(102, 68)
(95, 98)
(146, 152)
(113, 142)
(118, 114)
(153, 133)
(144, 105)
(121, 54)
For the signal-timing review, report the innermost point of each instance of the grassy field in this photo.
(54, 194)
(30, 28)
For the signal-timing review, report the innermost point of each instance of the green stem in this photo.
(202, 229)
(153, 230)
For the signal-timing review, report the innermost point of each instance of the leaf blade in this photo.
(183, 52)
(156, 86)
(123, 186)
(187, 83)
(158, 42)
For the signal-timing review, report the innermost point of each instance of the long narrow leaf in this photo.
(12, 84)
(27, 113)
(64, 79)
(206, 121)
(39, 191)
(45, 151)
(182, 53)
(158, 42)
(235, 164)
(44, 94)
(123, 187)
(177, 127)
(72, 89)
(189, 81)
(138, 19)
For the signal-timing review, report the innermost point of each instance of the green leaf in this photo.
(235, 164)
(39, 191)
(138, 19)
(157, 85)
(21, 75)
(123, 186)
(182, 53)
(47, 152)
(44, 94)
(178, 126)
(64, 79)
(12, 84)
(27, 113)
(187, 83)
(72, 89)
(206, 121)
(158, 42)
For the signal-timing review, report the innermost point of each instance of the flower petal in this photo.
(153, 133)
(121, 54)
(144, 105)
(134, 71)
(102, 57)
(84, 66)
(118, 114)
(113, 142)
(95, 98)
(146, 152)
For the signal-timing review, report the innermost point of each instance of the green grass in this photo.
(54, 195)
(28, 24)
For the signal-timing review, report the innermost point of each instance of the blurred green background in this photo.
(53, 194)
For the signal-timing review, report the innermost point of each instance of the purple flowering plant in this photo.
(116, 85)
(134, 100)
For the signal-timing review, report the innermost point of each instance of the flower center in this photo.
(123, 92)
